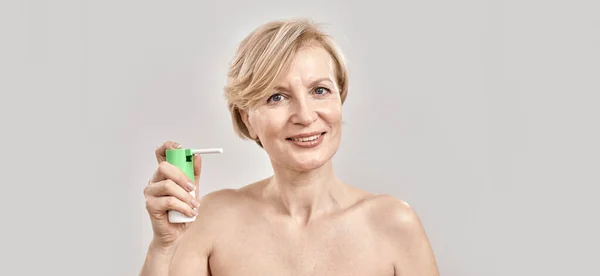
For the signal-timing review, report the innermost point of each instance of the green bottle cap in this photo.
(182, 159)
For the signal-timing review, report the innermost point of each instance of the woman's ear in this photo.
(245, 118)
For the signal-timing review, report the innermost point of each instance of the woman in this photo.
(286, 87)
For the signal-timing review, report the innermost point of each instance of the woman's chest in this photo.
(339, 249)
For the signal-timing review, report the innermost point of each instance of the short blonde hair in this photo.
(266, 53)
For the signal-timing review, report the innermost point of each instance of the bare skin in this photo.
(301, 221)
(250, 233)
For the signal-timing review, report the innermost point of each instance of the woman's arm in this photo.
(196, 245)
(187, 258)
(413, 254)
(191, 256)
(157, 260)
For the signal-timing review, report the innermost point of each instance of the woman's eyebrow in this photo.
(325, 79)
(280, 88)
(313, 83)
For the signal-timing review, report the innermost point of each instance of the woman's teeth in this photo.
(306, 139)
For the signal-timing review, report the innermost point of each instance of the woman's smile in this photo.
(307, 140)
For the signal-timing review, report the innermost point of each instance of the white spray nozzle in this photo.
(207, 151)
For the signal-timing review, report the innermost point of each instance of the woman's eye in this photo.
(321, 90)
(275, 98)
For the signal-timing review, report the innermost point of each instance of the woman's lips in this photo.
(309, 140)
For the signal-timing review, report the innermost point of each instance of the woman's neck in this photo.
(306, 195)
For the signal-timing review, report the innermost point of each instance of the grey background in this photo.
(483, 115)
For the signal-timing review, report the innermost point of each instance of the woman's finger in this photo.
(197, 169)
(159, 205)
(167, 170)
(170, 188)
(160, 152)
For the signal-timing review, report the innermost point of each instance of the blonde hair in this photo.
(265, 54)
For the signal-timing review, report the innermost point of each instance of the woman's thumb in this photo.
(197, 169)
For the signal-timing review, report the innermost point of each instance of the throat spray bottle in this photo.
(184, 160)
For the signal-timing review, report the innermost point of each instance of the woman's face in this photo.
(299, 123)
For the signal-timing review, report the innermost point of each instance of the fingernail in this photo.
(194, 212)
(177, 146)
(191, 186)
(195, 203)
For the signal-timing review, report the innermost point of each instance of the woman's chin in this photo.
(307, 165)
(302, 160)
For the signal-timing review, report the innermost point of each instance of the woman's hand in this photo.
(169, 190)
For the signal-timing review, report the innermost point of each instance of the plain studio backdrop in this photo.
(483, 115)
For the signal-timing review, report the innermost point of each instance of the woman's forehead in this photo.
(309, 65)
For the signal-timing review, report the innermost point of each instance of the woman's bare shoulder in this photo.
(227, 201)
(219, 212)
(222, 200)
(390, 213)
(400, 226)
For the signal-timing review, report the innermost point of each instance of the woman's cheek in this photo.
(332, 111)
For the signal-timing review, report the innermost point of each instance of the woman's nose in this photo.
(303, 113)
